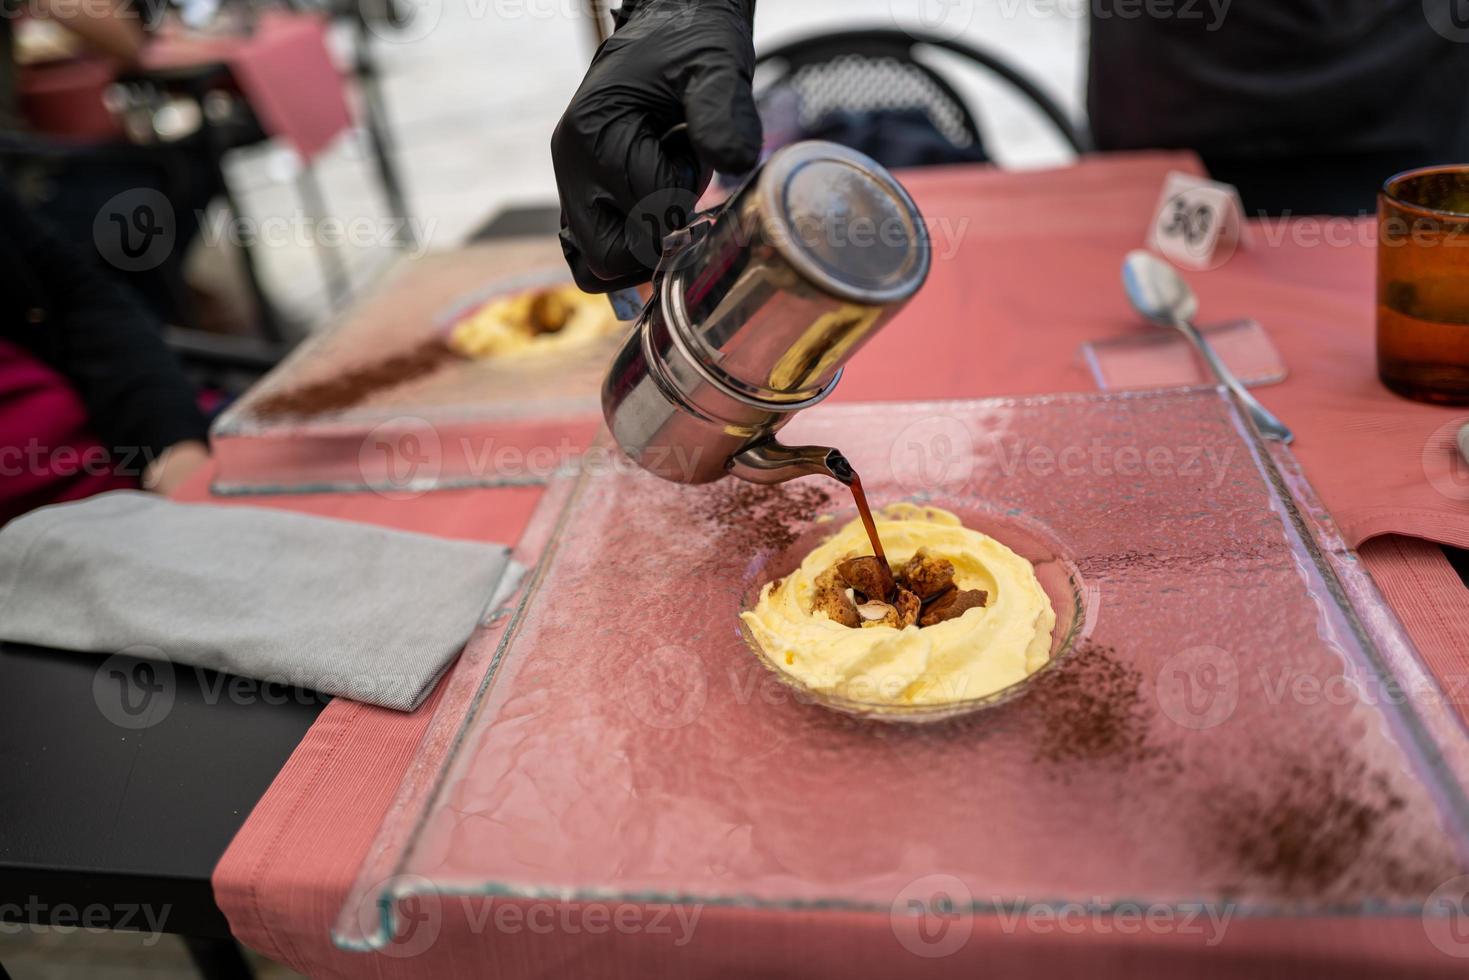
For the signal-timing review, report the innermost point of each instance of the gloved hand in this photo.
(668, 62)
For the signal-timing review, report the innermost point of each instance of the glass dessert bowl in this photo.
(885, 687)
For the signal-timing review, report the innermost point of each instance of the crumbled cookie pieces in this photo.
(831, 598)
(927, 576)
(951, 605)
(869, 577)
(859, 592)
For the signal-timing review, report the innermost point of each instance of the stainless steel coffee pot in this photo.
(755, 309)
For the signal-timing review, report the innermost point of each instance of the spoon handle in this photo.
(1270, 427)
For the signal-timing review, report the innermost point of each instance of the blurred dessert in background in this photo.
(535, 321)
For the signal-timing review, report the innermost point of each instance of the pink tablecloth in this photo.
(283, 69)
(1026, 269)
(1035, 271)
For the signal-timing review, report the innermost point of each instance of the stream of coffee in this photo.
(842, 470)
(860, 499)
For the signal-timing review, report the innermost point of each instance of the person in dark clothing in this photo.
(1306, 105)
(90, 397)
(76, 184)
(110, 29)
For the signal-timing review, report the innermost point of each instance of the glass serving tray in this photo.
(1162, 358)
(417, 418)
(1238, 717)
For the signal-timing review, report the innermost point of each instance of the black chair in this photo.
(880, 70)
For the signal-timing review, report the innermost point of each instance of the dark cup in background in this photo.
(1423, 285)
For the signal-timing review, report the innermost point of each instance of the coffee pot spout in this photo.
(771, 462)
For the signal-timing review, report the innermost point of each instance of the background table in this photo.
(1027, 266)
(286, 873)
(277, 82)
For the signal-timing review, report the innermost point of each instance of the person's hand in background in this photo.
(668, 62)
(95, 356)
(108, 27)
(177, 463)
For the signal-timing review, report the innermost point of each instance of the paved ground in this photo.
(473, 91)
(46, 955)
(474, 88)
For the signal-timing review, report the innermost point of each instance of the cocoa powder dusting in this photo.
(1092, 709)
(1320, 829)
(1184, 564)
(353, 386)
(749, 517)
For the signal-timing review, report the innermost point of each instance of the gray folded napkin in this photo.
(341, 608)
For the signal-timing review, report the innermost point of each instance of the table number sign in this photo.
(1198, 223)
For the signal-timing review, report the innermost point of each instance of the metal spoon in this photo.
(1159, 293)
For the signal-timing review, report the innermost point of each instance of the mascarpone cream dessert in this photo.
(966, 618)
(534, 321)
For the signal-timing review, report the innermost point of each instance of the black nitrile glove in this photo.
(621, 182)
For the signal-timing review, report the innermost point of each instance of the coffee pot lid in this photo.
(844, 221)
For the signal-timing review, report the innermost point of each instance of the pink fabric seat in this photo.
(47, 453)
